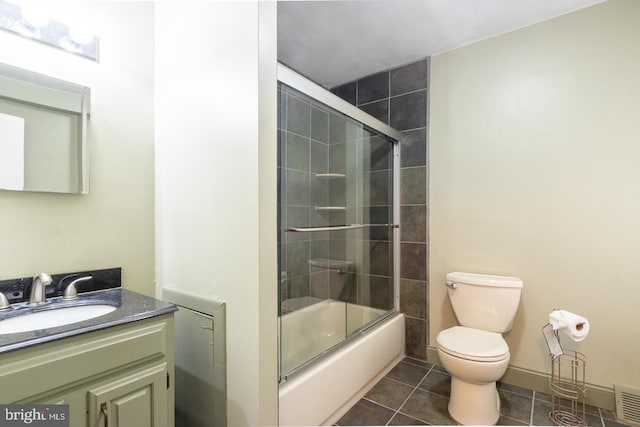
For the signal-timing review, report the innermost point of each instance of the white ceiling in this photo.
(335, 42)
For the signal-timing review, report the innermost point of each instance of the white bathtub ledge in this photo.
(322, 392)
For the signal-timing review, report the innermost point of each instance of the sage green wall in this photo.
(113, 225)
(534, 173)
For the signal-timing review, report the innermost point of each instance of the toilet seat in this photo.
(473, 344)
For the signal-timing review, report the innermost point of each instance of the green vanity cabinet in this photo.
(120, 376)
(132, 400)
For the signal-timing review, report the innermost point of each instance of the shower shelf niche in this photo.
(330, 208)
(327, 228)
(330, 175)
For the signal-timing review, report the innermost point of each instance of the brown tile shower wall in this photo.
(399, 97)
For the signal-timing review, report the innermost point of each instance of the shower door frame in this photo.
(289, 77)
(302, 84)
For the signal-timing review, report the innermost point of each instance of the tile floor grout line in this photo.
(533, 402)
(409, 396)
(378, 403)
(401, 382)
(397, 411)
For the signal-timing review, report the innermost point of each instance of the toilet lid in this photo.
(473, 344)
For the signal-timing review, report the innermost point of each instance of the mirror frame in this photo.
(31, 89)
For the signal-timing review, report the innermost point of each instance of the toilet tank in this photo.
(483, 301)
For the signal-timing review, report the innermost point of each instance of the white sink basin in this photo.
(53, 317)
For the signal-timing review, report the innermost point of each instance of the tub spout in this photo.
(38, 296)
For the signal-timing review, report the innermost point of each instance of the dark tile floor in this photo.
(417, 393)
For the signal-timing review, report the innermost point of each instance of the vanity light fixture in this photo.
(36, 25)
(30, 23)
(76, 40)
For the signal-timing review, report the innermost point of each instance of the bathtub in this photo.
(321, 392)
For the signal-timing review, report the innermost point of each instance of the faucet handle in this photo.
(4, 302)
(70, 292)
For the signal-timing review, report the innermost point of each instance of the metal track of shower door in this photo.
(338, 227)
(355, 335)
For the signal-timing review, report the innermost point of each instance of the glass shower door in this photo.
(335, 209)
(371, 205)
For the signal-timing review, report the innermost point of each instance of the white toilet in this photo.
(475, 354)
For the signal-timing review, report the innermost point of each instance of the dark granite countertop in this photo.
(131, 306)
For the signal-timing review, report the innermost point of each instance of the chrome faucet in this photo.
(38, 296)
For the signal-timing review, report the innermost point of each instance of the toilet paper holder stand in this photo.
(567, 383)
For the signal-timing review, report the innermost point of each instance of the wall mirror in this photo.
(43, 133)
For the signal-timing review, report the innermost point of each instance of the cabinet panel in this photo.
(125, 367)
(66, 361)
(77, 401)
(138, 399)
(135, 408)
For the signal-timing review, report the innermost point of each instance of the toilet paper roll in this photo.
(577, 327)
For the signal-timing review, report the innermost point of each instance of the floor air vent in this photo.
(627, 404)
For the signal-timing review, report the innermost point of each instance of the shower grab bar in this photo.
(329, 228)
(339, 227)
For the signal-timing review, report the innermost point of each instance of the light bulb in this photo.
(35, 18)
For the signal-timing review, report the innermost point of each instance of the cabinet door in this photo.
(138, 399)
(77, 401)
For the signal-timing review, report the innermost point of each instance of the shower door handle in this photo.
(328, 228)
(339, 227)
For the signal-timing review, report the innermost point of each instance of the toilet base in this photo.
(474, 404)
